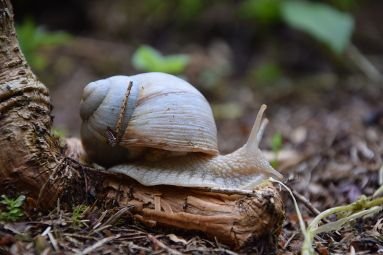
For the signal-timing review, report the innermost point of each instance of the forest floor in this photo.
(335, 133)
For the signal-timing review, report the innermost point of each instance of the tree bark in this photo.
(31, 160)
(33, 163)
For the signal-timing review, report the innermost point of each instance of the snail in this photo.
(160, 130)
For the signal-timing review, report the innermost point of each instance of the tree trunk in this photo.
(31, 160)
(33, 163)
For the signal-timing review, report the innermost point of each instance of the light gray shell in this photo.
(163, 112)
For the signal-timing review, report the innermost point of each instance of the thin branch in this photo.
(99, 244)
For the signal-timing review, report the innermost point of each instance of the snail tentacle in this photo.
(257, 130)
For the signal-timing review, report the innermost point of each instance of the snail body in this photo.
(160, 130)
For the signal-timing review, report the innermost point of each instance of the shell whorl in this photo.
(101, 104)
(162, 112)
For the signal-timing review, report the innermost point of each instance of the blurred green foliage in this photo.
(276, 146)
(149, 59)
(267, 73)
(321, 21)
(344, 4)
(13, 208)
(265, 11)
(183, 11)
(188, 9)
(32, 38)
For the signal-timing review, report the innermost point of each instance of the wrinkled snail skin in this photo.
(166, 134)
(237, 170)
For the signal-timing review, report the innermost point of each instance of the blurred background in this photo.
(302, 58)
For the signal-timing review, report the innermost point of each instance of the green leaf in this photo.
(19, 201)
(13, 208)
(265, 11)
(5, 200)
(321, 21)
(148, 59)
(14, 211)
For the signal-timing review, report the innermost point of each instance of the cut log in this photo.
(232, 217)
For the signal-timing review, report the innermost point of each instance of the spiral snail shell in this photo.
(158, 129)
